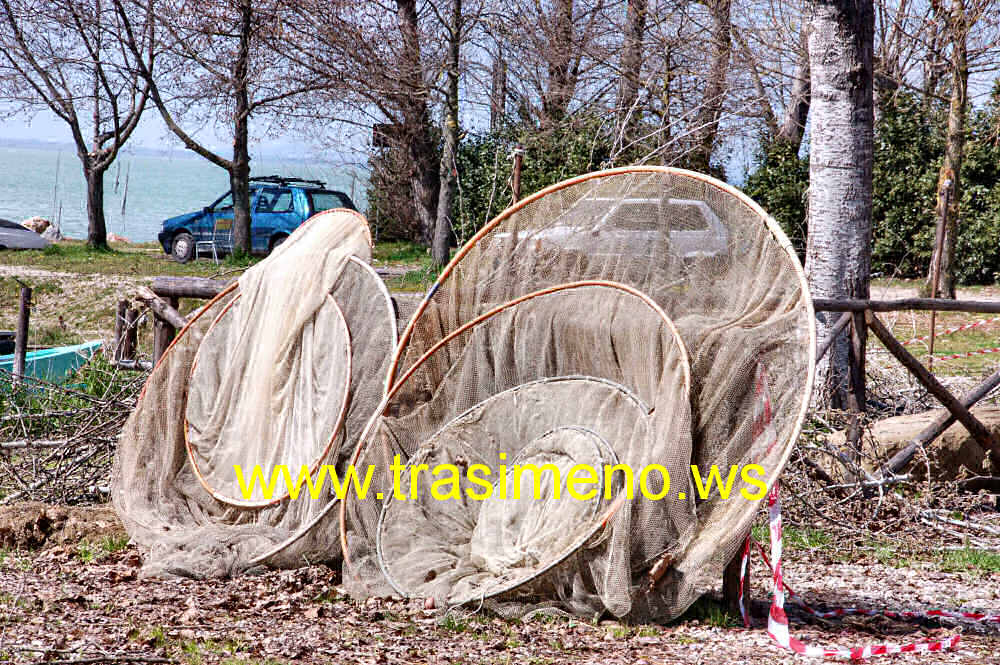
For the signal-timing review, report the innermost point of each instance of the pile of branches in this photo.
(843, 488)
(57, 442)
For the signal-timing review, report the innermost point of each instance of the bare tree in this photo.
(449, 131)
(383, 59)
(498, 91)
(632, 57)
(797, 110)
(838, 250)
(707, 119)
(950, 176)
(218, 68)
(61, 55)
(555, 72)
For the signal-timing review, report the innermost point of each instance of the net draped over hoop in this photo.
(283, 367)
(633, 317)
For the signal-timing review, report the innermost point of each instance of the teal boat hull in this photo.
(53, 365)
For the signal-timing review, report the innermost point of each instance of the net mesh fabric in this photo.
(697, 309)
(270, 372)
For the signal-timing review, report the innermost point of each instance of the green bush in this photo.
(779, 185)
(578, 145)
(908, 154)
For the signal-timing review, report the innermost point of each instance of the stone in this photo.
(953, 455)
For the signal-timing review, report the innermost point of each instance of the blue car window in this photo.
(326, 200)
(225, 203)
(274, 199)
(283, 202)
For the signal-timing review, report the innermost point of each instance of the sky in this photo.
(151, 133)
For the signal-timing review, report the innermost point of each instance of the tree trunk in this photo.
(797, 111)
(97, 229)
(498, 92)
(442, 229)
(239, 175)
(561, 84)
(838, 249)
(707, 121)
(950, 176)
(631, 70)
(420, 144)
(239, 182)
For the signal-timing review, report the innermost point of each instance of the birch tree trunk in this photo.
(442, 228)
(838, 248)
(950, 176)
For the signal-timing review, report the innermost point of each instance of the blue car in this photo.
(277, 207)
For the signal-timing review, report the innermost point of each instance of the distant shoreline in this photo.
(173, 152)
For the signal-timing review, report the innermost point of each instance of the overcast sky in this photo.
(151, 133)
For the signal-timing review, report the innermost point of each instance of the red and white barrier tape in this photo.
(969, 354)
(951, 331)
(777, 621)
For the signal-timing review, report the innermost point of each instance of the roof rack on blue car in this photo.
(282, 180)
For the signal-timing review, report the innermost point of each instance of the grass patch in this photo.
(454, 623)
(87, 552)
(139, 261)
(418, 279)
(619, 632)
(970, 559)
(400, 253)
(794, 537)
(90, 551)
(112, 544)
(805, 538)
(710, 612)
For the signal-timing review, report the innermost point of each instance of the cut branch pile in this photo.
(57, 442)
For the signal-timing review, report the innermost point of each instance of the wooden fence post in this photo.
(163, 333)
(21, 334)
(130, 334)
(856, 393)
(731, 584)
(515, 177)
(116, 355)
(979, 432)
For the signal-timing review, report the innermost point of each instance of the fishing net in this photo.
(284, 367)
(637, 320)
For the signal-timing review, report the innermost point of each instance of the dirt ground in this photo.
(70, 590)
(79, 599)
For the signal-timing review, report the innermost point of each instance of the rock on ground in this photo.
(952, 455)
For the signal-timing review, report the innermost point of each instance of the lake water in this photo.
(49, 182)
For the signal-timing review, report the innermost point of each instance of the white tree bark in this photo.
(838, 251)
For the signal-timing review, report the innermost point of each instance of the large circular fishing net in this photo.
(633, 322)
(283, 368)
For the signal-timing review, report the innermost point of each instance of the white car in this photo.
(15, 236)
(698, 230)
